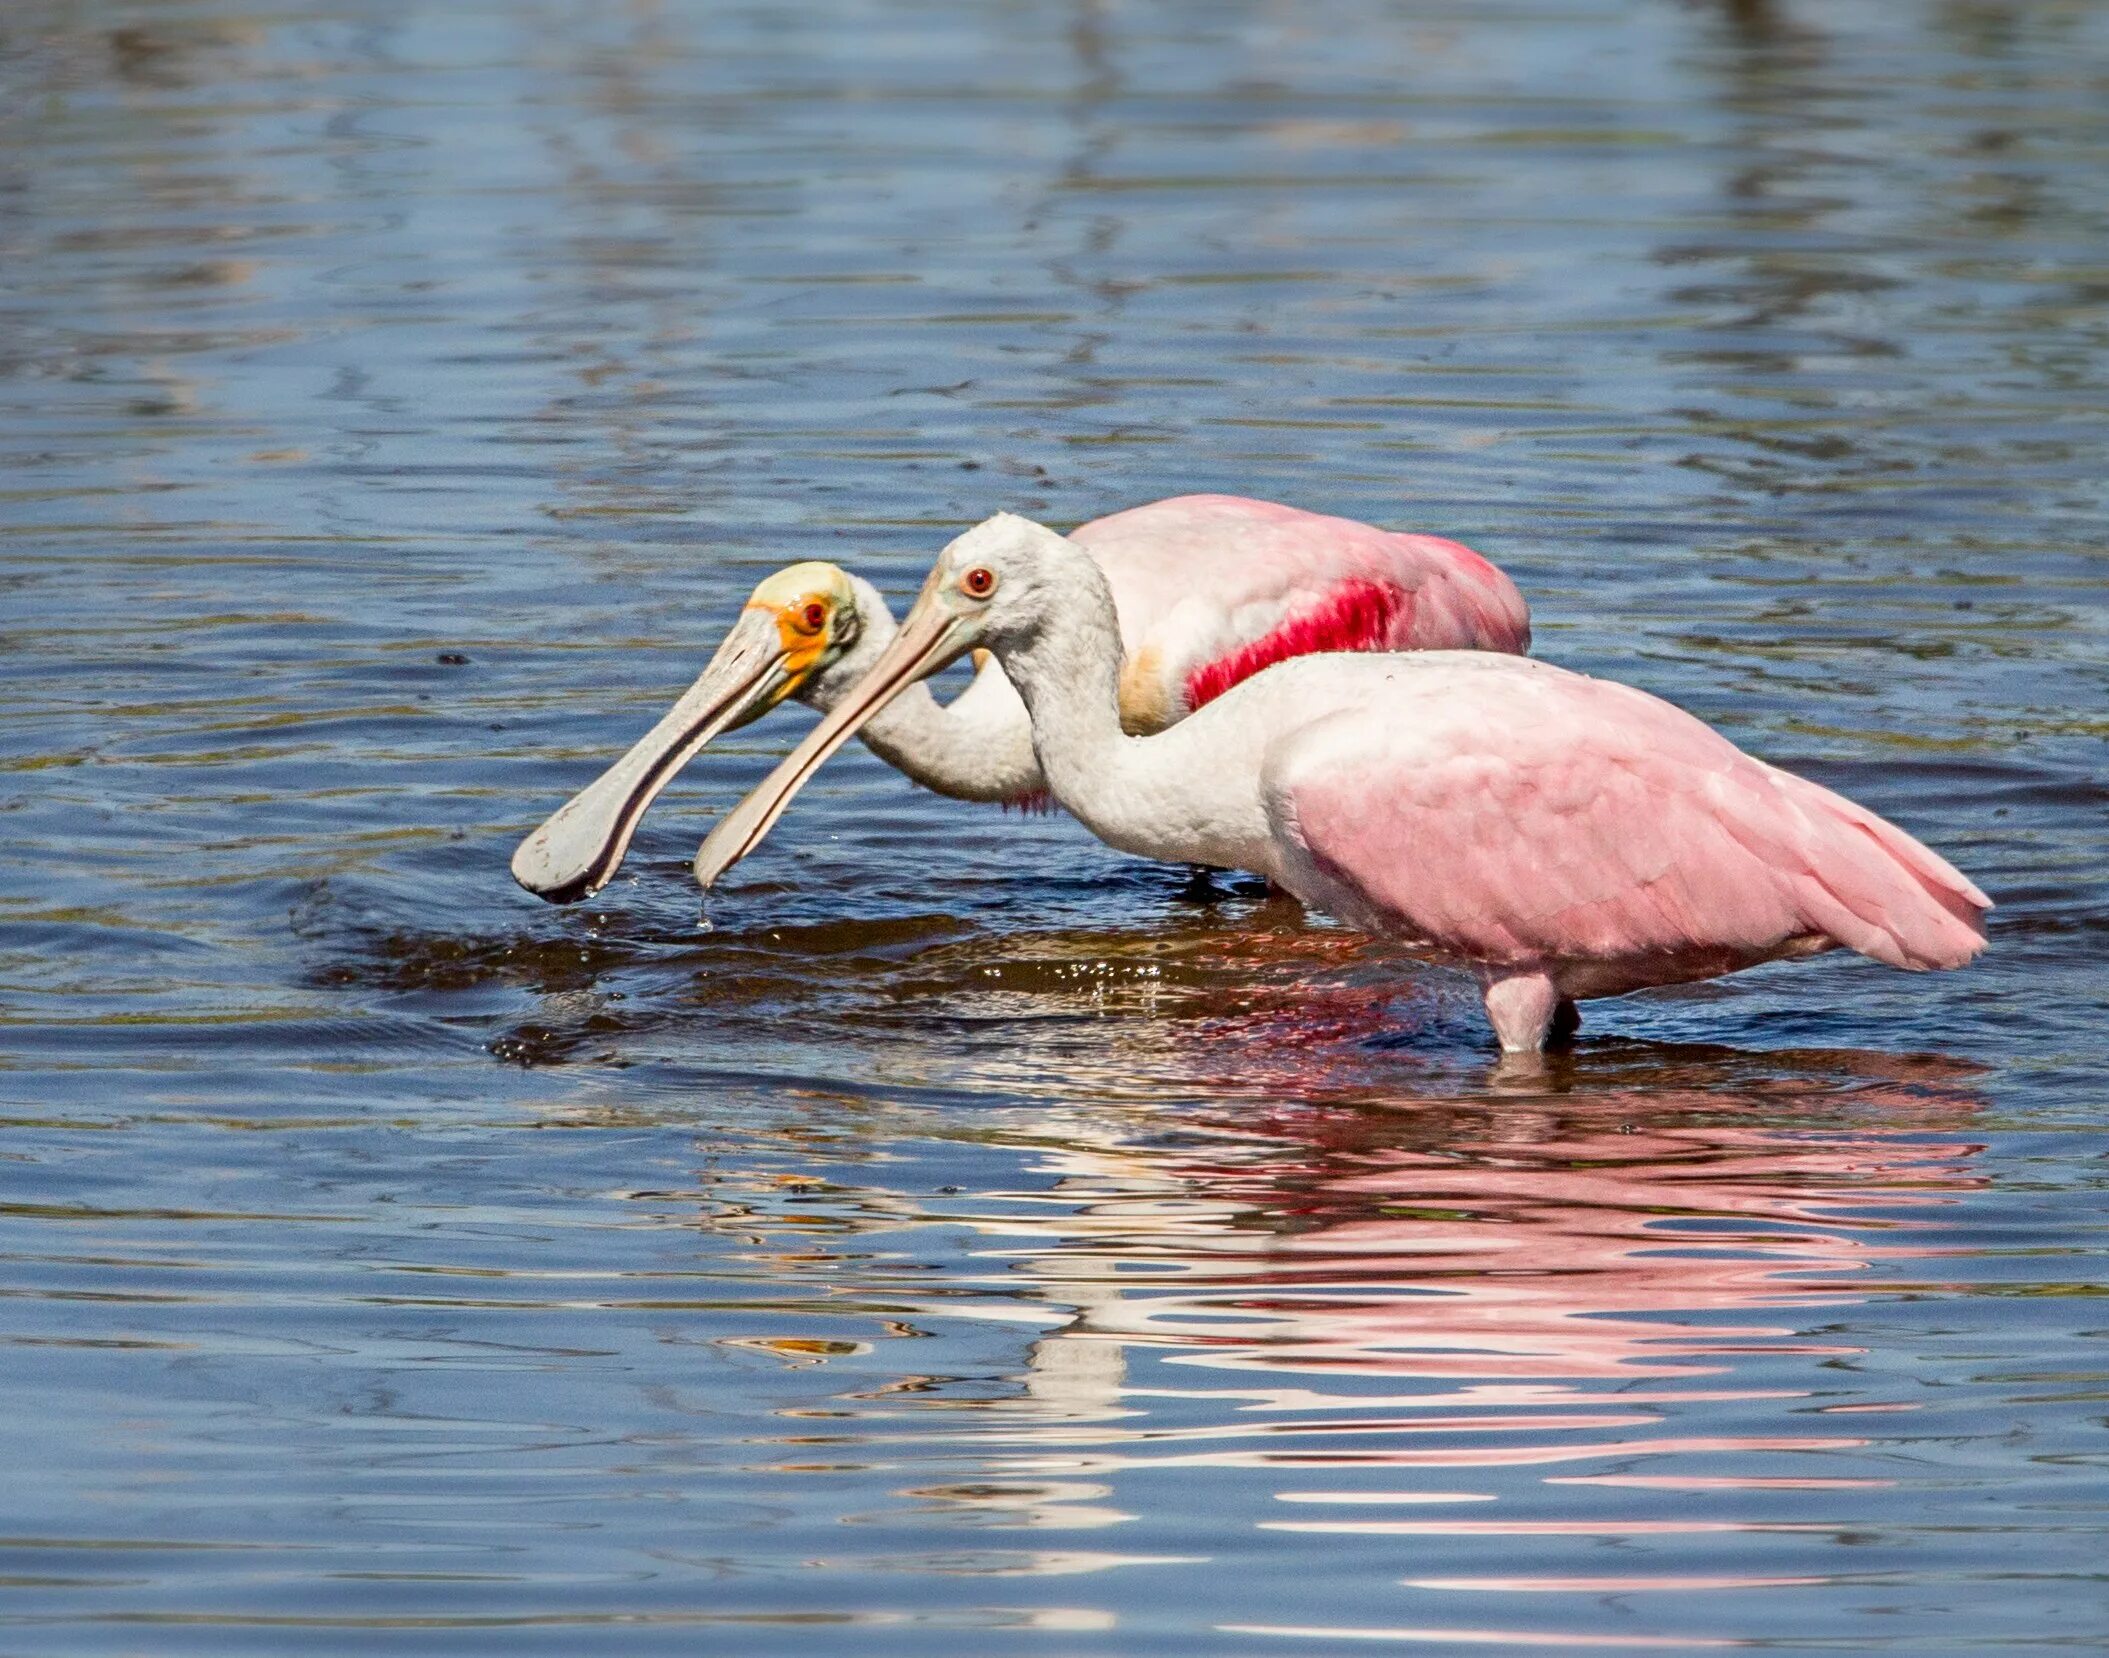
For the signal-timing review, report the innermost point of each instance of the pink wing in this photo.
(1533, 816)
(1213, 588)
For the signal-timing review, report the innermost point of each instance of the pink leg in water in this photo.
(1526, 1009)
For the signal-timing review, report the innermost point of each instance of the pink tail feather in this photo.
(1904, 903)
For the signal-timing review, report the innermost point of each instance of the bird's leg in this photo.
(1200, 885)
(1522, 1007)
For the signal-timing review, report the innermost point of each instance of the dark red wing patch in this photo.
(1356, 616)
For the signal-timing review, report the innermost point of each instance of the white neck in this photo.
(1172, 795)
(978, 748)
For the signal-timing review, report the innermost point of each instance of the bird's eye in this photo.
(978, 582)
(814, 616)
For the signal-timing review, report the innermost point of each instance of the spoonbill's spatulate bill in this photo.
(1563, 837)
(1209, 590)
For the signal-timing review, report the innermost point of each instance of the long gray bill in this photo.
(579, 848)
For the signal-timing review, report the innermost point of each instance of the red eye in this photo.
(815, 617)
(979, 582)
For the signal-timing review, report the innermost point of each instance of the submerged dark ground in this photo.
(977, 1243)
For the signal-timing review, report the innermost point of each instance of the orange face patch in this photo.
(802, 630)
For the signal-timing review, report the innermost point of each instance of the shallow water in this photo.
(977, 1242)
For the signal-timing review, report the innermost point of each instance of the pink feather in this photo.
(1213, 588)
(1537, 821)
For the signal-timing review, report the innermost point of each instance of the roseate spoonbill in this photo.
(1209, 588)
(1563, 837)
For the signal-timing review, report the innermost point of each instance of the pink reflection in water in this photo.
(1481, 1286)
(1530, 1248)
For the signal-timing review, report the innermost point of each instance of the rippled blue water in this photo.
(980, 1243)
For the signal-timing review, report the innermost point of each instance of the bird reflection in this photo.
(1537, 1248)
(1447, 1290)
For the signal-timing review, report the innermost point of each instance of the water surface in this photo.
(978, 1242)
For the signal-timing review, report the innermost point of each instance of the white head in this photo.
(998, 583)
(797, 625)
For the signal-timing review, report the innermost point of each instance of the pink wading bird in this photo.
(1561, 836)
(1209, 590)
